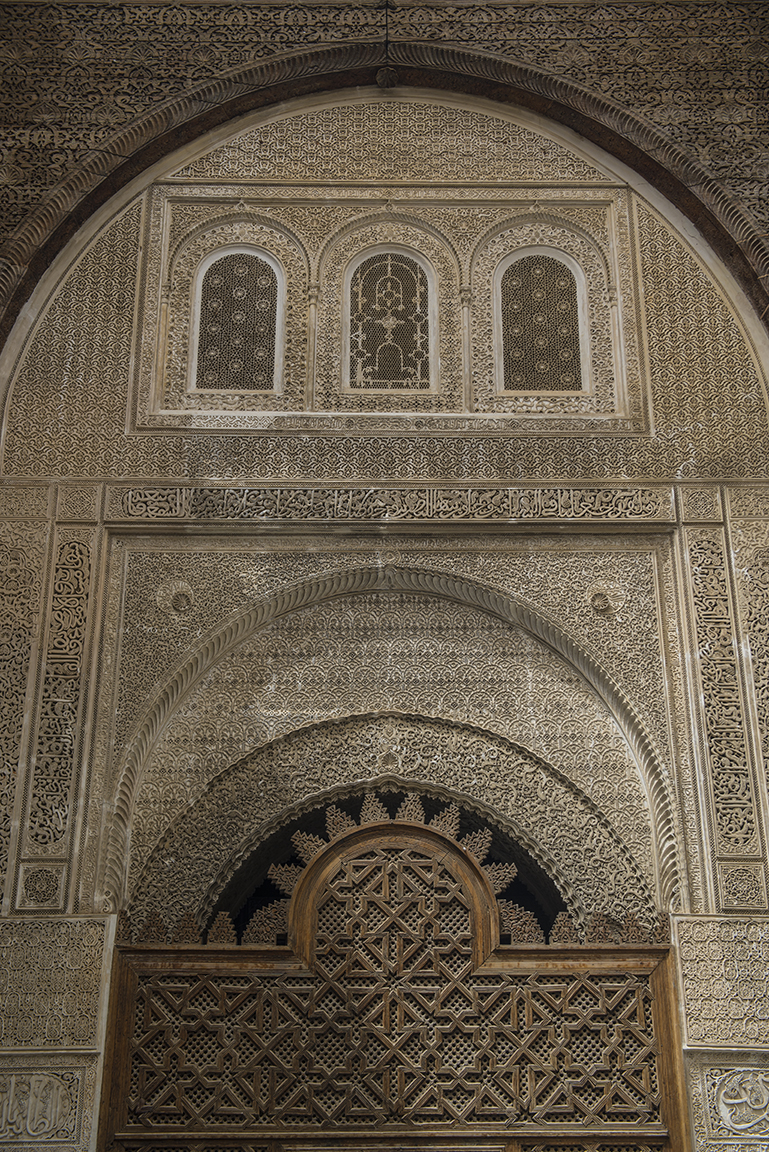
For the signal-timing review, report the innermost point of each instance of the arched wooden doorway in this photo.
(375, 1006)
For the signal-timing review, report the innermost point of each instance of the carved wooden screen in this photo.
(393, 1031)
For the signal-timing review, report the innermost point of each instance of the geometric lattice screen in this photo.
(383, 1021)
(389, 324)
(540, 326)
(237, 324)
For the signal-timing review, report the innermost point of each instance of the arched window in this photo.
(542, 318)
(390, 323)
(237, 322)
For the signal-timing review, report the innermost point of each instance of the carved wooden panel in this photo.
(394, 1030)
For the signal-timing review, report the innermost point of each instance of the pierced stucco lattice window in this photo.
(237, 324)
(389, 324)
(540, 312)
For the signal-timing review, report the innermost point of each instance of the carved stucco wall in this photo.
(671, 613)
(67, 415)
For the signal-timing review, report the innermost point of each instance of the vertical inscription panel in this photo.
(22, 552)
(733, 808)
(55, 748)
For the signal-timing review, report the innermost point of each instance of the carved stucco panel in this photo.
(67, 408)
(392, 652)
(47, 1101)
(554, 820)
(749, 502)
(729, 1101)
(24, 502)
(724, 967)
(52, 981)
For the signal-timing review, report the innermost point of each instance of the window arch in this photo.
(390, 322)
(541, 320)
(238, 315)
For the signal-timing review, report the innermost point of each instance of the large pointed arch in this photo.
(389, 579)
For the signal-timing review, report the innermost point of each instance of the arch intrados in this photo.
(619, 132)
(376, 579)
(535, 849)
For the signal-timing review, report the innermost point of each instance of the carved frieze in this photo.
(393, 504)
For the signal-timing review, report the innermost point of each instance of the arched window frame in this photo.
(432, 317)
(583, 321)
(280, 318)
